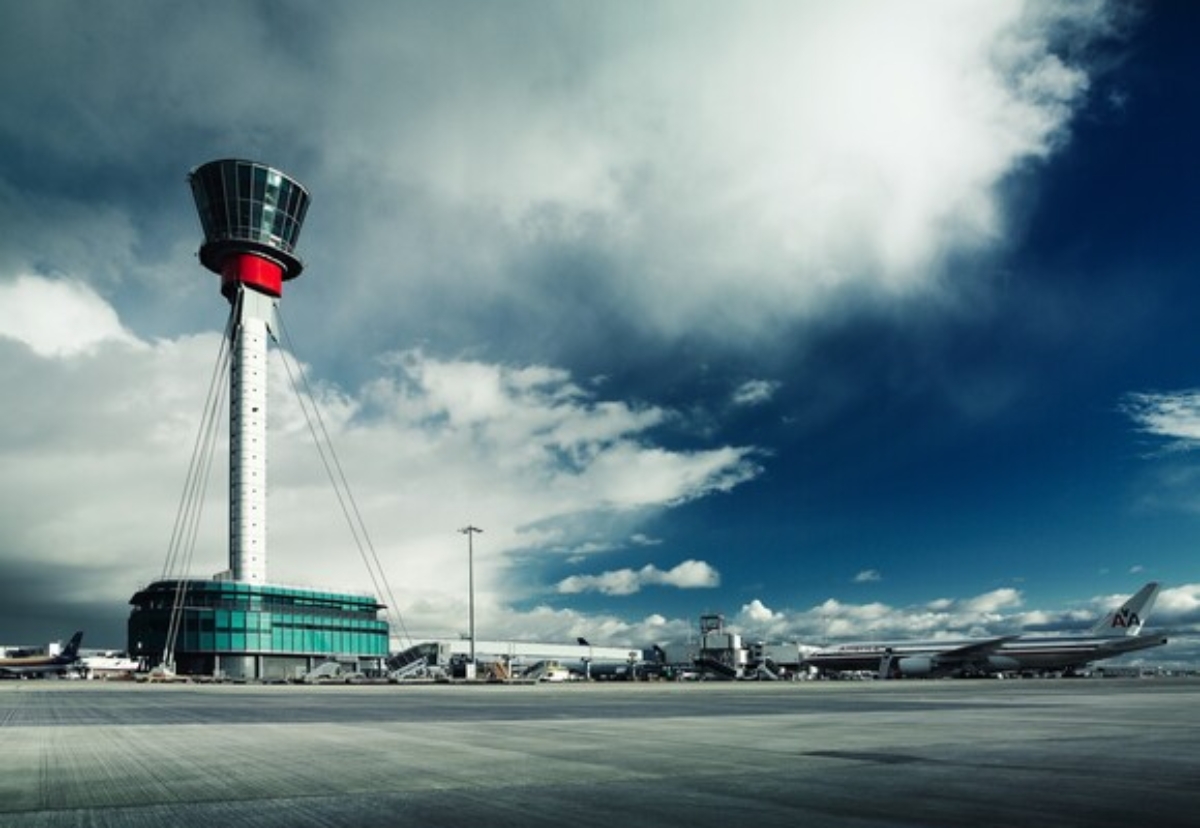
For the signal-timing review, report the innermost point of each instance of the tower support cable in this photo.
(182, 546)
(337, 477)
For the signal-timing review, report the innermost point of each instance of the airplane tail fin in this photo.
(1129, 617)
(72, 648)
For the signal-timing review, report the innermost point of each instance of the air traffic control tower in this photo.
(237, 624)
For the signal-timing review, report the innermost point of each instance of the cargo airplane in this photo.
(39, 665)
(1116, 634)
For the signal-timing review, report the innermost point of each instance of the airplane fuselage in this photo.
(1115, 634)
(1035, 653)
(39, 665)
(32, 666)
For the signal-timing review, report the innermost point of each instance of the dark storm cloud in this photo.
(46, 599)
(590, 179)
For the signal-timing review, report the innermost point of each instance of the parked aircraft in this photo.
(39, 665)
(1116, 634)
(107, 664)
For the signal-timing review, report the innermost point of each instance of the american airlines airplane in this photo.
(39, 665)
(1116, 634)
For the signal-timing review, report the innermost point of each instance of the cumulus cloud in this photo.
(723, 169)
(544, 623)
(989, 613)
(1173, 416)
(756, 612)
(998, 612)
(534, 421)
(690, 574)
(994, 601)
(58, 318)
(96, 446)
(1179, 605)
(755, 392)
(868, 576)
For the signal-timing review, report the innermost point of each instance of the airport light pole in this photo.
(470, 531)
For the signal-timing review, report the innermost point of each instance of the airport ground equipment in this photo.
(416, 670)
(721, 654)
(581, 659)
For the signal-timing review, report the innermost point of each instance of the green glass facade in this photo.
(255, 631)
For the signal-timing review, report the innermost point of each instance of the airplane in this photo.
(1115, 634)
(39, 665)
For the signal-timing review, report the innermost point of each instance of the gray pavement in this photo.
(908, 753)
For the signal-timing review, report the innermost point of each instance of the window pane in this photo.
(260, 183)
(243, 180)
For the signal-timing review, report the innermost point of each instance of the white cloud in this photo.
(868, 576)
(833, 619)
(548, 624)
(1173, 416)
(690, 574)
(534, 423)
(1179, 605)
(1172, 419)
(58, 318)
(757, 612)
(95, 448)
(994, 601)
(755, 392)
(738, 166)
(998, 612)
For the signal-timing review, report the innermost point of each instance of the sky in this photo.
(844, 320)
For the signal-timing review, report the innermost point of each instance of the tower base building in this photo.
(256, 632)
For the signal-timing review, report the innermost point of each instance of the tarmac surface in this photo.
(900, 753)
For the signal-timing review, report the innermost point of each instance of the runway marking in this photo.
(874, 757)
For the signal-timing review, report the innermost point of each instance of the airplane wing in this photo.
(975, 649)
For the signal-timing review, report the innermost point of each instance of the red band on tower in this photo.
(254, 271)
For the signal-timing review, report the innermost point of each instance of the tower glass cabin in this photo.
(251, 215)
(249, 208)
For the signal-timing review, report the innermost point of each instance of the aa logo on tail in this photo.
(1126, 618)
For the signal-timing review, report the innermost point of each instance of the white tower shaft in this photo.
(248, 436)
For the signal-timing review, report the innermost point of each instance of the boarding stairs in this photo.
(717, 669)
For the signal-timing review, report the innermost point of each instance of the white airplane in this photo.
(1116, 634)
(38, 665)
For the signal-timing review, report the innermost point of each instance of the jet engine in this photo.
(1002, 664)
(914, 666)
